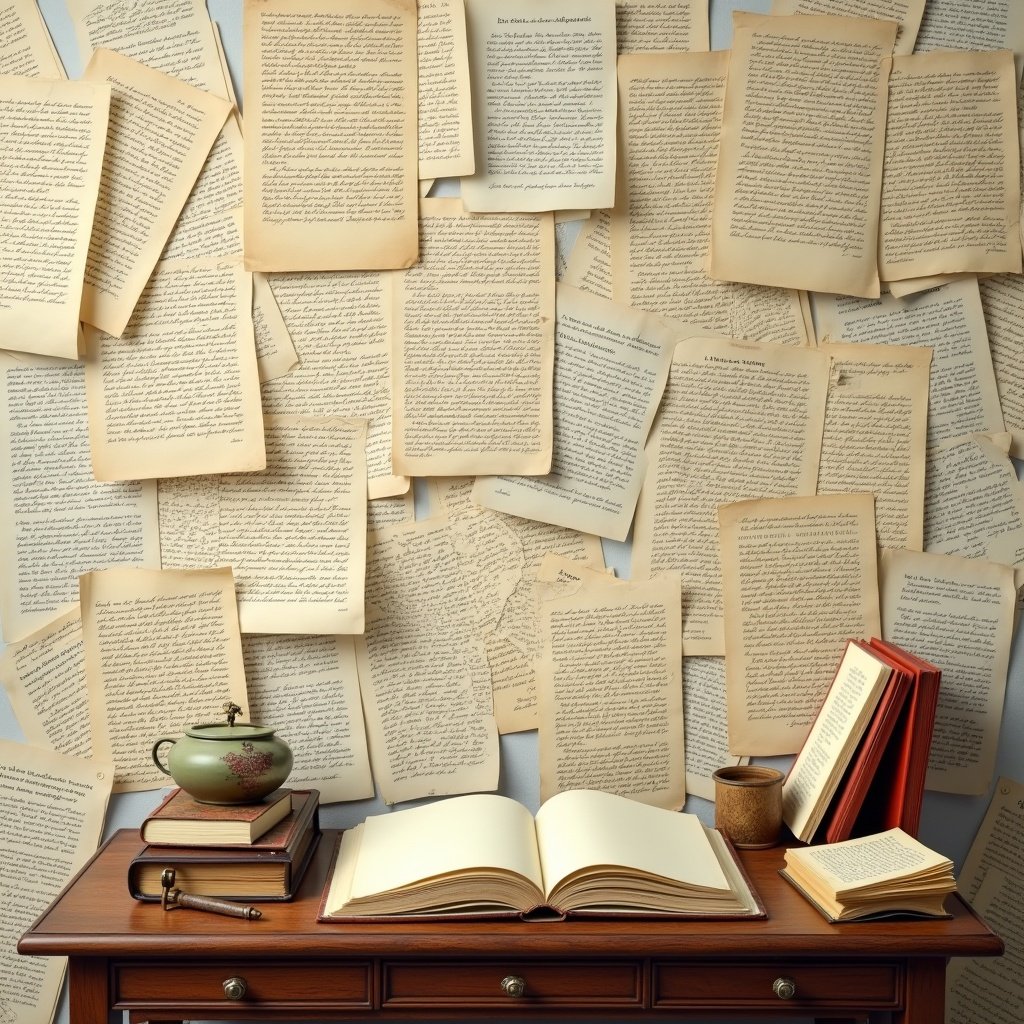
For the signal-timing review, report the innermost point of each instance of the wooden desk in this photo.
(163, 966)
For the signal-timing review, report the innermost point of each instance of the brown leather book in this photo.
(181, 820)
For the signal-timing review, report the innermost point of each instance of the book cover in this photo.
(181, 820)
(270, 869)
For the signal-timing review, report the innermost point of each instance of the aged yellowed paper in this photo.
(649, 26)
(54, 133)
(815, 90)
(543, 80)
(799, 578)
(330, 142)
(1002, 299)
(906, 12)
(160, 640)
(588, 266)
(25, 45)
(706, 727)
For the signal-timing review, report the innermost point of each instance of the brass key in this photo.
(172, 899)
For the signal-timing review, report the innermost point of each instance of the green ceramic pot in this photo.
(226, 763)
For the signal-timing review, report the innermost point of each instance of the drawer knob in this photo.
(513, 986)
(234, 988)
(784, 988)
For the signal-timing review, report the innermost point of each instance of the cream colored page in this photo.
(275, 350)
(492, 831)
(706, 728)
(867, 860)
(874, 441)
(330, 141)
(44, 675)
(52, 803)
(173, 36)
(998, 845)
(799, 578)
(958, 614)
(650, 26)
(543, 79)
(473, 345)
(762, 439)
(189, 522)
(907, 13)
(1002, 299)
(512, 645)
(589, 264)
(52, 136)
(56, 520)
(800, 161)
(974, 501)
(962, 395)
(158, 137)
(225, 70)
(831, 741)
(951, 195)
(968, 25)
(339, 323)
(308, 689)
(25, 45)
(670, 123)
(974, 986)
(390, 511)
(423, 669)
(611, 365)
(610, 688)
(178, 393)
(165, 642)
(445, 116)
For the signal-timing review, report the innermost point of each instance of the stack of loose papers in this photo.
(875, 876)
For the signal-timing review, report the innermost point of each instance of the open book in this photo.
(586, 852)
(874, 876)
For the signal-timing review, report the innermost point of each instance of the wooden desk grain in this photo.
(169, 966)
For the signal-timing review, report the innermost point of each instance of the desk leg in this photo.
(925, 1000)
(88, 990)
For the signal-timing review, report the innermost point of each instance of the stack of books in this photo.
(243, 851)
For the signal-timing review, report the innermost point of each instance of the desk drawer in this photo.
(750, 985)
(479, 984)
(286, 985)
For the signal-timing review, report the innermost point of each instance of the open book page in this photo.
(974, 501)
(315, 81)
(1002, 299)
(543, 79)
(294, 532)
(52, 803)
(56, 520)
(474, 340)
(275, 351)
(956, 613)
(962, 394)
(993, 989)
(876, 427)
(445, 121)
(998, 845)
(589, 264)
(763, 438)
(55, 133)
(44, 675)
(173, 36)
(512, 644)
(967, 25)
(832, 739)
(178, 393)
(648, 26)
(160, 640)
(306, 687)
(951, 195)
(799, 577)
(907, 13)
(706, 728)
(339, 324)
(159, 135)
(609, 677)
(584, 828)
(423, 669)
(815, 89)
(611, 364)
(661, 227)
(25, 45)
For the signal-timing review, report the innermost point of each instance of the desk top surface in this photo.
(96, 916)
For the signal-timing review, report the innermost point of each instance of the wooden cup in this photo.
(748, 805)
